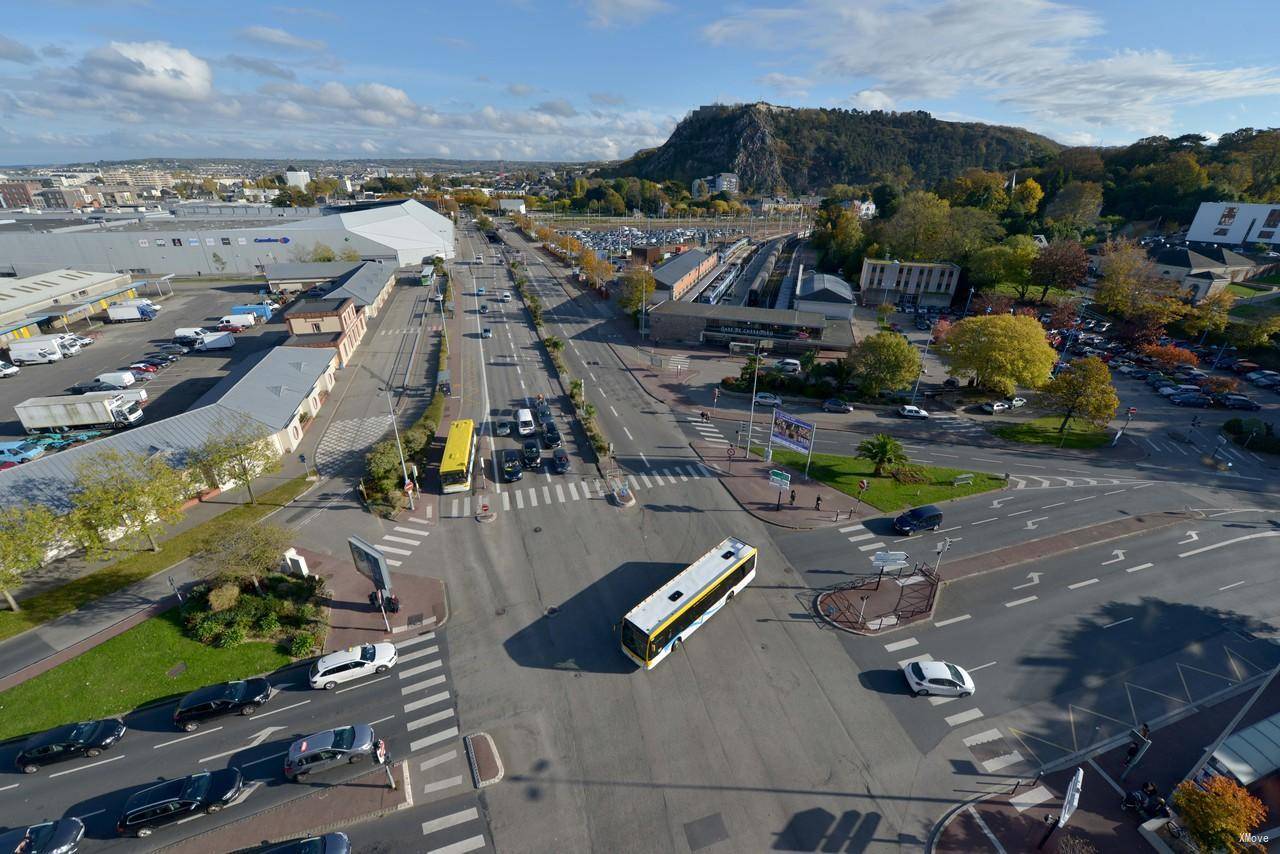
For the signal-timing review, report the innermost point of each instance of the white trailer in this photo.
(24, 351)
(72, 412)
(117, 313)
(216, 341)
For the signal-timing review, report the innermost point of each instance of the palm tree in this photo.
(882, 449)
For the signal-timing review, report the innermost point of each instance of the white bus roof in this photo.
(699, 575)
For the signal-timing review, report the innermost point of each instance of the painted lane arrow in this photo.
(1191, 537)
(254, 740)
(1035, 579)
(1119, 556)
(1031, 523)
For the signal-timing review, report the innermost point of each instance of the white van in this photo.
(244, 321)
(68, 344)
(524, 422)
(190, 332)
(788, 366)
(123, 379)
(24, 351)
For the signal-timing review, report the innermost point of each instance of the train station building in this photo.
(784, 330)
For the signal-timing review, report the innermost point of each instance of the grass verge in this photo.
(43, 607)
(128, 671)
(1245, 291)
(1256, 310)
(1044, 431)
(885, 493)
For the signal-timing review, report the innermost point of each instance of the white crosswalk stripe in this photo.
(426, 701)
(421, 686)
(404, 540)
(408, 642)
(433, 718)
(347, 441)
(418, 653)
(391, 549)
(434, 738)
(402, 529)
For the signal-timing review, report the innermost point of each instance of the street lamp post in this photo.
(755, 379)
(916, 387)
(404, 468)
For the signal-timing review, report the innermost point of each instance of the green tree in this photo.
(808, 361)
(1005, 263)
(27, 533)
(1211, 314)
(1082, 390)
(124, 494)
(1131, 288)
(1254, 334)
(749, 370)
(1060, 266)
(884, 360)
(1076, 206)
(236, 455)
(882, 450)
(637, 285)
(321, 253)
(920, 227)
(1219, 813)
(1001, 351)
(1026, 197)
(242, 553)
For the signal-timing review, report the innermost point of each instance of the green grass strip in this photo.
(885, 493)
(1044, 431)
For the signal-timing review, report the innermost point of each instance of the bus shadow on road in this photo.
(579, 634)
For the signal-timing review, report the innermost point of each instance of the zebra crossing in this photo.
(405, 537)
(408, 330)
(569, 491)
(958, 426)
(709, 433)
(347, 441)
(1033, 481)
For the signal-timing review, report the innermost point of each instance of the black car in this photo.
(186, 341)
(167, 358)
(550, 435)
(158, 362)
(543, 411)
(61, 836)
(512, 468)
(174, 800)
(88, 738)
(173, 349)
(1191, 398)
(93, 385)
(926, 518)
(243, 698)
(560, 461)
(330, 843)
(1237, 401)
(531, 454)
(923, 325)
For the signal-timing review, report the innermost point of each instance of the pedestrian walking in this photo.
(1145, 732)
(817, 503)
(793, 498)
(1131, 753)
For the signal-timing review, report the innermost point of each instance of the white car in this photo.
(907, 411)
(8, 370)
(356, 662)
(83, 340)
(1016, 402)
(1182, 388)
(995, 406)
(765, 398)
(938, 678)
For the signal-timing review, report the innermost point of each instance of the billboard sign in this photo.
(370, 563)
(791, 432)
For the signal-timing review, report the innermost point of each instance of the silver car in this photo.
(347, 745)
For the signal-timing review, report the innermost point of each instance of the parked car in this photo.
(1237, 401)
(141, 376)
(352, 663)
(502, 427)
(512, 468)
(484, 308)
(86, 386)
(87, 738)
(994, 406)
(1195, 399)
(346, 745)
(158, 363)
(147, 367)
(84, 340)
(560, 461)
(229, 327)
(21, 451)
(550, 435)
(479, 291)
(924, 518)
(330, 843)
(167, 358)
(60, 836)
(909, 411)
(1180, 388)
(937, 678)
(174, 800)
(835, 404)
(486, 333)
(175, 349)
(951, 382)
(765, 398)
(1017, 402)
(8, 370)
(242, 697)
(531, 454)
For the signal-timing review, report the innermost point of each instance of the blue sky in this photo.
(597, 79)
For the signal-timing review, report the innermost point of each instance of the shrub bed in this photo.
(283, 609)
(1263, 433)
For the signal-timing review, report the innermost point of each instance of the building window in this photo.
(177, 241)
(226, 241)
(297, 434)
(1266, 235)
(315, 327)
(1221, 232)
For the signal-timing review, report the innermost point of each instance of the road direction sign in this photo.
(1072, 798)
(888, 557)
(783, 483)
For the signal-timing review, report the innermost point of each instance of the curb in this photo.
(469, 743)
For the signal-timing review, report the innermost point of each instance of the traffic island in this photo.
(482, 756)
(486, 513)
(879, 602)
(319, 808)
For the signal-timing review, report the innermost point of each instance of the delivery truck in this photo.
(244, 321)
(118, 313)
(73, 412)
(193, 332)
(216, 341)
(68, 344)
(24, 351)
(262, 311)
(141, 301)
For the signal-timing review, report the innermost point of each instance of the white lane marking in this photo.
(847, 528)
(948, 622)
(952, 528)
(614, 411)
(942, 701)
(1032, 524)
(859, 537)
(1115, 492)
(902, 644)
(629, 436)
(940, 454)
(437, 760)
(281, 709)
(1019, 513)
(1016, 602)
(434, 738)
(1213, 546)
(426, 701)
(391, 549)
(407, 642)
(83, 767)
(16, 785)
(423, 685)
(1086, 498)
(381, 720)
(393, 538)
(645, 478)
(1117, 623)
(430, 719)
(986, 831)
(985, 521)
(1229, 586)
(1055, 504)
(183, 738)
(464, 847)
(869, 546)
(421, 668)
(406, 530)
(1080, 584)
(546, 494)
(1139, 567)
(559, 493)
(963, 717)
(981, 738)
(1030, 798)
(533, 496)
(363, 684)
(987, 460)
(441, 785)
(506, 501)
(993, 765)
(391, 562)
(1143, 485)
(982, 666)
(421, 653)
(644, 459)
(573, 491)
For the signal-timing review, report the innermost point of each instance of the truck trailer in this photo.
(108, 409)
(119, 313)
(216, 341)
(263, 312)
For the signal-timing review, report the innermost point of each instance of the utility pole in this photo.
(404, 468)
(755, 379)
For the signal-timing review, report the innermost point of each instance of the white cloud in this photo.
(606, 13)
(368, 145)
(289, 111)
(258, 65)
(276, 37)
(386, 98)
(16, 51)
(155, 69)
(519, 89)
(1035, 57)
(607, 99)
(786, 85)
(871, 99)
(558, 107)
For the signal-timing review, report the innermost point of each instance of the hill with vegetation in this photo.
(784, 149)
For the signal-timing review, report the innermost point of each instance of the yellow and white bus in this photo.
(459, 456)
(678, 608)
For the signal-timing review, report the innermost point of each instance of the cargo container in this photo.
(261, 311)
(117, 313)
(216, 341)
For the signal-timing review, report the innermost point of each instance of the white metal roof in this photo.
(18, 294)
(699, 575)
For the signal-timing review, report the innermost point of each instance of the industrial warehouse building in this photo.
(213, 240)
(28, 301)
(825, 294)
(682, 272)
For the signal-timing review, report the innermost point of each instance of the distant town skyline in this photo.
(598, 79)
